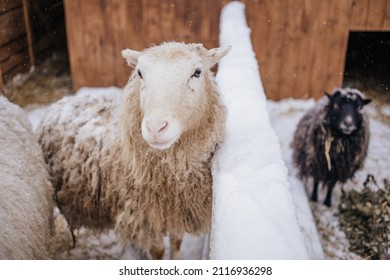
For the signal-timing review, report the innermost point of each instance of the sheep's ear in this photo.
(366, 101)
(328, 95)
(131, 57)
(214, 55)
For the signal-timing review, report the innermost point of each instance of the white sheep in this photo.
(141, 162)
(26, 203)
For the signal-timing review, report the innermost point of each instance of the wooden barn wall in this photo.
(14, 55)
(300, 44)
(18, 47)
(98, 30)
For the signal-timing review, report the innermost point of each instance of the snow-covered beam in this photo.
(254, 216)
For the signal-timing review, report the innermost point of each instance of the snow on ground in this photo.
(386, 110)
(108, 245)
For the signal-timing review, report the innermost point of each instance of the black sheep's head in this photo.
(345, 110)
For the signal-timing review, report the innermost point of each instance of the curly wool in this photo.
(80, 144)
(176, 184)
(102, 181)
(26, 203)
(347, 154)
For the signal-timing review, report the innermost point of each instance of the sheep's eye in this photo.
(197, 73)
(139, 74)
(336, 106)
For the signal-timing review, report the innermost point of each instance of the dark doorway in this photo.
(367, 65)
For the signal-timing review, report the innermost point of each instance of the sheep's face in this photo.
(345, 110)
(173, 80)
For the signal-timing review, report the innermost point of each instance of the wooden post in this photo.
(1, 80)
(28, 31)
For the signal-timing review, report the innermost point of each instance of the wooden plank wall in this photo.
(98, 30)
(16, 54)
(300, 44)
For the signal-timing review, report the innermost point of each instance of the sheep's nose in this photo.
(348, 121)
(156, 127)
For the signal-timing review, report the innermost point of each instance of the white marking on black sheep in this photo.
(157, 180)
(26, 202)
(331, 140)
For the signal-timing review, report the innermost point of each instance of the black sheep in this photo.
(331, 140)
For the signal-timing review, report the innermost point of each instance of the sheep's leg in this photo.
(314, 194)
(328, 198)
(157, 250)
(175, 243)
